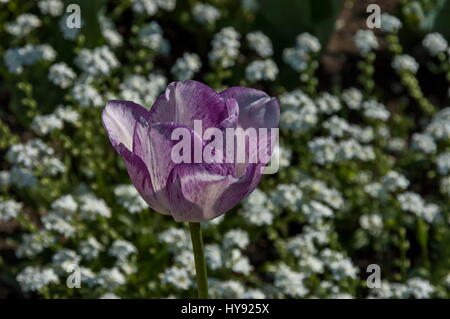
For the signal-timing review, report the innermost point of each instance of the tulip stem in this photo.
(199, 256)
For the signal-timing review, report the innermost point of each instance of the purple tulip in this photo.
(191, 192)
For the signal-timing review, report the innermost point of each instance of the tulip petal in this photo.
(186, 101)
(140, 177)
(119, 119)
(256, 108)
(197, 194)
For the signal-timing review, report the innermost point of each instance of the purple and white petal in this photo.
(256, 108)
(186, 101)
(119, 119)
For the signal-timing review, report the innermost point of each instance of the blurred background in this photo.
(365, 154)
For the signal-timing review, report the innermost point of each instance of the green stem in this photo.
(200, 265)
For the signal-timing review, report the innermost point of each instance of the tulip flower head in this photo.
(181, 171)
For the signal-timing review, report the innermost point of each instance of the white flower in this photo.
(287, 196)
(151, 36)
(54, 221)
(315, 212)
(67, 114)
(90, 248)
(18, 57)
(90, 207)
(260, 43)
(142, 90)
(324, 149)
(225, 47)
(213, 256)
(121, 249)
(405, 62)
(34, 278)
(443, 163)
(86, 95)
(236, 237)
(420, 288)
(177, 239)
(186, 66)
(45, 124)
(9, 209)
(61, 75)
(33, 244)
(65, 204)
(256, 209)
(423, 143)
(128, 197)
(307, 42)
(261, 70)
(177, 277)
(109, 32)
(111, 278)
(96, 62)
(435, 43)
(205, 13)
(365, 41)
(51, 7)
(328, 103)
(394, 181)
(353, 98)
(64, 259)
(373, 223)
(390, 23)
(289, 282)
(411, 202)
(375, 110)
(23, 25)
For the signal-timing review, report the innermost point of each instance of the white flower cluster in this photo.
(353, 98)
(142, 90)
(375, 110)
(415, 287)
(128, 197)
(24, 24)
(91, 207)
(365, 41)
(300, 56)
(151, 7)
(51, 7)
(414, 203)
(109, 32)
(327, 150)
(122, 249)
(260, 43)
(299, 113)
(34, 278)
(17, 58)
(151, 36)
(186, 66)
(61, 75)
(258, 209)
(225, 48)
(435, 43)
(261, 70)
(9, 209)
(98, 61)
(86, 95)
(439, 127)
(390, 23)
(405, 62)
(205, 13)
(34, 156)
